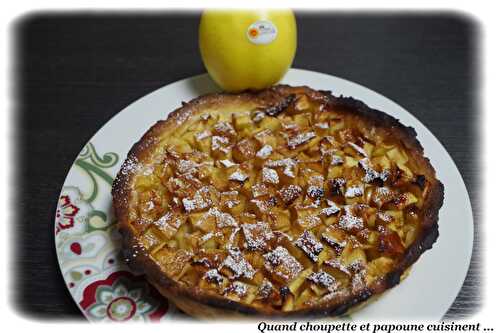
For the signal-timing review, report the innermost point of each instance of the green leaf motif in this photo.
(106, 161)
(93, 165)
(98, 220)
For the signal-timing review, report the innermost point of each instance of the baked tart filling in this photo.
(283, 201)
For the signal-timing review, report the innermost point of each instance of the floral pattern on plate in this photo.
(88, 248)
(121, 297)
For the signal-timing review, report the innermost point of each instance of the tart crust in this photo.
(199, 303)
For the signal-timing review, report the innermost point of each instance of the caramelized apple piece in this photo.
(257, 236)
(310, 245)
(175, 262)
(390, 244)
(281, 265)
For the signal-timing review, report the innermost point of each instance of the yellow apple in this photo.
(248, 49)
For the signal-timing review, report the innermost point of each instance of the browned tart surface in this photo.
(278, 202)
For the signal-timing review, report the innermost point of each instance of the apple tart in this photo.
(285, 201)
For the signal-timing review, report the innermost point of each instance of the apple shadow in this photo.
(202, 85)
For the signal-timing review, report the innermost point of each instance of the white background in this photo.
(486, 15)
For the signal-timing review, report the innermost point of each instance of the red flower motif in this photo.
(121, 297)
(65, 214)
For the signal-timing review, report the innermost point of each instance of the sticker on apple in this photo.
(262, 32)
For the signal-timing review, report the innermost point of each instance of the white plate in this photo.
(87, 243)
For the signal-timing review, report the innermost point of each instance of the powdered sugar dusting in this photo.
(206, 237)
(264, 152)
(222, 219)
(227, 163)
(265, 289)
(310, 221)
(238, 264)
(288, 164)
(289, 193)
(336, 160)
(270, 176)
(186, 166)
(131, 165)
(238, 288)
(370, 173)
(315, 192)
(335, 263)
(263, 205)
(162, 222)
(323, 125)
(310, 245)
(382, 195)
(384, 175)
(262, 135)
(322, 278)
(354, 191)
(299, 139)
(230, 199)
(337, 244)
(239, 176)
(168, 222)
(257, 235)
(231, 237)
(225, 128)
(358, 282)
(199, 201)
(181, 117)
(331, 209)
(213, 276)
(258, 116)
(358, 149)
(350, 222)
(282, 263)
(385, 217)
(202, 135)
(220, 143)
(259, 190)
